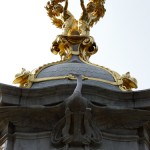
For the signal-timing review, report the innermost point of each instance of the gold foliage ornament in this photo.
(128, 81)
(90, 15)
(63, 19)
(22, 78)
(63, 45)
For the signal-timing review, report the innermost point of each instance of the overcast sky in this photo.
(123, 37)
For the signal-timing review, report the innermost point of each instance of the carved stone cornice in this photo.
(11, 95)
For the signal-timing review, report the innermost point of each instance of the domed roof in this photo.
(75, 52)
(58, 74)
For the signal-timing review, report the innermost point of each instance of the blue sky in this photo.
(123, 37)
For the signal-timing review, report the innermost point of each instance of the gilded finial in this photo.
(62, 18)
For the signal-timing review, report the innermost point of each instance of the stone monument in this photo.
(74, 104)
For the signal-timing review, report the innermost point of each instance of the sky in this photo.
(123, 37)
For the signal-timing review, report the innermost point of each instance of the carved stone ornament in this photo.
(76, 127)
(74, 122)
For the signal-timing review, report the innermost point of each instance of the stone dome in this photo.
(75, 66)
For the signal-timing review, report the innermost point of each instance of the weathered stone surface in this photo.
(121, 117)
(75, 68)
(51, 95)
